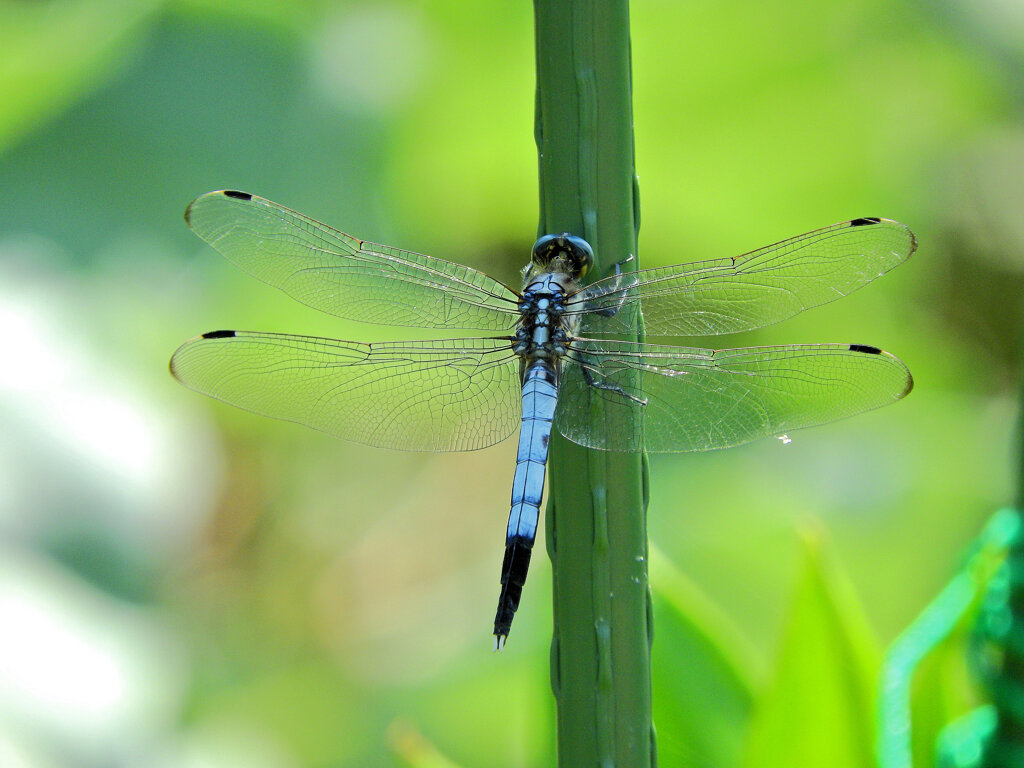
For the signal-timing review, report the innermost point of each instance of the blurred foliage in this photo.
(187, 585)
(818, 711)
(56, 52)
(927, 698)
(704, 690)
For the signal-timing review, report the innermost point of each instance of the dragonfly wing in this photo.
(625, 396)
(760, 288)
(345, 276)
(449, 395)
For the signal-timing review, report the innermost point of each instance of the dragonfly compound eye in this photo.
(564, 251)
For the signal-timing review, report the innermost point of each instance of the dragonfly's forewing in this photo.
(674, 399)
(345, 276)
(449, 395)
(759, 288)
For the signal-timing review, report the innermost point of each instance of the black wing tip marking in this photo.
(219, 335)
(870, 350)
(866, 348)
(232, 193)
(868, 220)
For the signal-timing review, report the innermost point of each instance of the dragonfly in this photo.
(554, 355)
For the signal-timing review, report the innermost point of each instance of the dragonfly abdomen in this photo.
(540, 394)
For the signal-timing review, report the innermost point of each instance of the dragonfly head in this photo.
(561, 253)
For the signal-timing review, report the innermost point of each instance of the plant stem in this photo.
(596, 516)
(1007, 685)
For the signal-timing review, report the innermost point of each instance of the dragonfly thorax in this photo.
(543, 329)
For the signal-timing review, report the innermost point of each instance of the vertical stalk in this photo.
(596, 516)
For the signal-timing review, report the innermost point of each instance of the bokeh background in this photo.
(185, 584)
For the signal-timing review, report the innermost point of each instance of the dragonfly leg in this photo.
(588, 376)
(614, 308)
(617, 267)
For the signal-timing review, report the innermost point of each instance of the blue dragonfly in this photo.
(555, 356)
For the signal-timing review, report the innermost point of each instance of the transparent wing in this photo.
(623, 396)
(345, 276)
(760, 288)
(450, 395)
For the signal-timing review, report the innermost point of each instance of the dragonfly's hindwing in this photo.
(448, 395)
(623, 396)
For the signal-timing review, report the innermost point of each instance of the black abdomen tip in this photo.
(865, 221)
(219, 335)
(865, 348)
(237, 195)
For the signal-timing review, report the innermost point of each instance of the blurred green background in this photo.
(185, 584)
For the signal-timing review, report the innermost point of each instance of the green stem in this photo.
(1006, 686)
(596, 517)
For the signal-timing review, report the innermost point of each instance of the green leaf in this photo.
(702, 688)
(819, 710)
(414, 750)
(925, 683)
(941, 691)
(51, 54)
